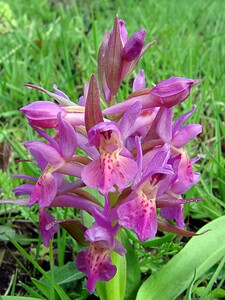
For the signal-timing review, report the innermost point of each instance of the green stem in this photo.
(52, 290)
(115, 288)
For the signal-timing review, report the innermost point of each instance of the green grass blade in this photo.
(58, 289)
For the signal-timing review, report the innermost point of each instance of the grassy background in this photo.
(49, 42)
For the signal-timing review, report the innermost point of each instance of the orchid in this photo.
(131, 152)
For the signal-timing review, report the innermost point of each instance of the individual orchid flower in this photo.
(177, 136)
(113, 167)
(44, 113)
(115, 164)
(166, 93)
(95, 262)
(138, 211)
(56, 158)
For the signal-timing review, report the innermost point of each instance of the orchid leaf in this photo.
(5, 232)
(198, 256)
(133, 278)
(66, 274)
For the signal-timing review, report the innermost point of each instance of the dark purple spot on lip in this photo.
(121, 175)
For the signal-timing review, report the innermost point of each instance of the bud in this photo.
(113, 59)
(42, 113)
(134, 45)
(172, 91)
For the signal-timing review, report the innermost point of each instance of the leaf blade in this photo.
(199, 254)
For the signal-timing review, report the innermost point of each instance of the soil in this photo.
(12, 262)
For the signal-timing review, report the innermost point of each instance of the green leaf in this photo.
(65, 274)
(199, 255)
(115, 288)
(58, 289)
(6, 232)
(31, 290)
(17, 298)
(133, 278)
(44, 288)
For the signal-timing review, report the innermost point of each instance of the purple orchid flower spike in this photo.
(133, 157)
(112, 167)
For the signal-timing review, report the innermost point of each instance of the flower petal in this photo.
(139, 81)
(139, 214)
(186, 134)
(44, 191)
(164, 126)
(47, 152)
(111, 169)
(96, 264)
(68, 141)
(44, 219)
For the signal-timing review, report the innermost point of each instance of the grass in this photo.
(49, 42)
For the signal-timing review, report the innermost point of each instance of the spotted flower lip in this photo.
(95, 261)
(138, 211)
